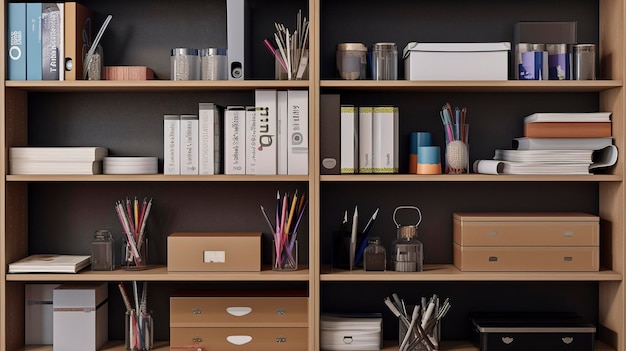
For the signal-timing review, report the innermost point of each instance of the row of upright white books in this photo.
(574, 143)
(369, 139)
(268, 138)
(82, 160)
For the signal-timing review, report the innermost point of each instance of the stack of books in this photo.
(557, 143)
(45, 40)
(56, 160)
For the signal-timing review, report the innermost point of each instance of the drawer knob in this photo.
(281, 339)
(239, 339)
(493, 258)
(568, 233)
(281, 311)
(347, 340)
(196, 311)
(507, 340)
(196, 339)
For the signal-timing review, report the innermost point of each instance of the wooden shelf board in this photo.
(446, 345)
(448, 272)
(509, 86)
(468, 178)
(156, 178)
(160, 273)
(153, 85)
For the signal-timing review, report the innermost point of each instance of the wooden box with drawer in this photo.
(245, 320)
(526, 241)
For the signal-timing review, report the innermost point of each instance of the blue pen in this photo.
(365, 237)
(457, 121)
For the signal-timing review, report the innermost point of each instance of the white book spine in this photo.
(282, 116)
(235, 140)
(298, 127)
(396, 139)
(189, 144)
(265, 106)
(366, 150)
(349, 139)
(171, 144)
(384, 140)
(208, 127)
(251, 140)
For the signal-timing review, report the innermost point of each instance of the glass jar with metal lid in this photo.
(384, 61)
(352, 60)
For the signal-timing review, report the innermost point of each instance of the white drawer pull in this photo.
(239, 339)
(238, 311)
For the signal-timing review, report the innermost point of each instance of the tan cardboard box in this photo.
(214, 252)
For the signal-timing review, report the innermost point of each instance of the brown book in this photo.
(76, 22)
(567, 129)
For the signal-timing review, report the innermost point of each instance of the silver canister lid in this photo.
(385, 47)
(213, 52)
(584, 48)
(184, 51)
(351, 47)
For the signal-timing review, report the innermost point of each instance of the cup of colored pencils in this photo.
(133, 216)
(289, 213)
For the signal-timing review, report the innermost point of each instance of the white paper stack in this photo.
(56, 160)
(130, 165)
(52, 263)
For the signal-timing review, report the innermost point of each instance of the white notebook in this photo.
(50, 263)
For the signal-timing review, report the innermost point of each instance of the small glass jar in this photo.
(384, 61)
(375, 256)
(102, 255)
(351, 60)
(185, 64)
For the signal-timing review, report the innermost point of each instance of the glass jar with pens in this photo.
(133, 218)
(456, 132)
(289, 213)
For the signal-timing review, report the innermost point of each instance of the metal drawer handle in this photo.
(280, 339)
(567, 340)
(196, 339)
(239, 339)
(507, 340)
(238, 311)
(196, 311)
(281, 311)
(347, 340)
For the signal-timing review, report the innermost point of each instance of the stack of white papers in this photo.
(360, 332)
(56, 160)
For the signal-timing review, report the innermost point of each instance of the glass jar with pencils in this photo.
(285, 255)
(456, 132)
(133, 217)
(289, 213)
(134, 252)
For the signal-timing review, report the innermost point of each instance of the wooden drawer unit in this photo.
(238, 311)
(241, 338)
(526, 242)
(240, 320)
(520, 229)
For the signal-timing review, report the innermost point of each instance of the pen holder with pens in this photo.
(287, 260)
(138, 331)
(298, 73)
(417, 339)
(457, 152)
(134, 258)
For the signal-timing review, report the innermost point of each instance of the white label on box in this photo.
(214, 257)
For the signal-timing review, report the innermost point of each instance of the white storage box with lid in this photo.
(456, 61)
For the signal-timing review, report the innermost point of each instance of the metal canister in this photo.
(584, 61)
(214, 64)
(559, 62)
(185, 64)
